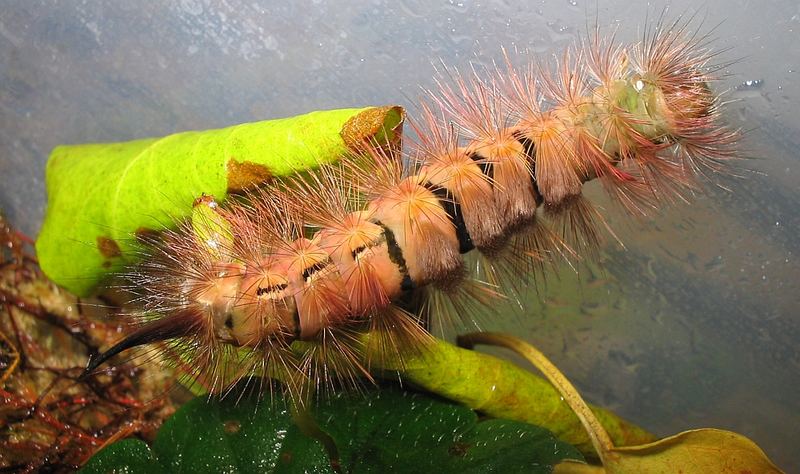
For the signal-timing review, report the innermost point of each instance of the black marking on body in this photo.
(308, 271)
(453, 209)
(359, 250)
(486, 166)
(396, 256)
(271, 289)
(395, 252)
(407, 284)
(530, 150)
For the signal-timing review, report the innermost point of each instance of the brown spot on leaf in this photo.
(458, 449)
(377, 125)
(108, 247)
(245, 175)
(204, 199)
(232, 426)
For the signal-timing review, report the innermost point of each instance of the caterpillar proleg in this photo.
(318, 259)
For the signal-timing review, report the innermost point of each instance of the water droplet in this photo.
(750, 84)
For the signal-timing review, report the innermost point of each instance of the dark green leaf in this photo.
(225, 436)
(129, 456)
(397, 431)
(381, 431)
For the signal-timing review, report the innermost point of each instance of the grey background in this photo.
(694, 324)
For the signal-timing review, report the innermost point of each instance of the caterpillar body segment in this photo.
(314, 261)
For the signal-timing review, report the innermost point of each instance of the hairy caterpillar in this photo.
(320, 258)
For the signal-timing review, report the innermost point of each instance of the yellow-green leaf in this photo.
(691, 452)
(501, 389)
(102, 195)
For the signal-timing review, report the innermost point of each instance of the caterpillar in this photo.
(346, 249)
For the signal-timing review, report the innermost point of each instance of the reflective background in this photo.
(695, 323)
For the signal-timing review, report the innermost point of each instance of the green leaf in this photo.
(397, 431)
(221, 436)
(384, 430)
(100, 196)
(503, 390)
(129, 456)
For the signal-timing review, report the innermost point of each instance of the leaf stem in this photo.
(600, 439)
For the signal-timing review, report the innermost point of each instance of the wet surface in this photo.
(695, 324)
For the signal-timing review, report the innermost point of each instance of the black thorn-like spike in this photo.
(181, 324)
